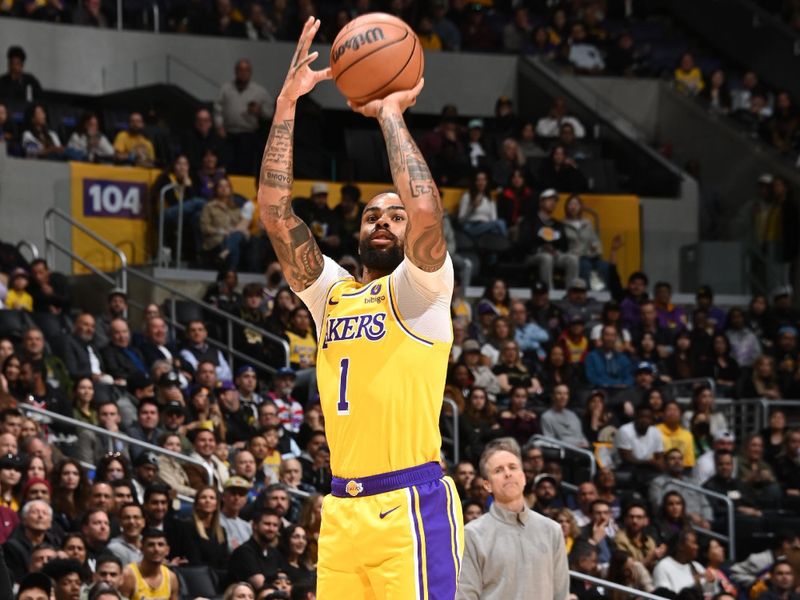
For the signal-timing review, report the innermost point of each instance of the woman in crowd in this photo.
(285, 302)
(584, 242)
(481, 418)
(701, 433)
(112, 467)
(71, 488)
(556, 370)
(294, 548)
(560, 172)
(209, 174)
(35, 468)
(204, 541)
(181, 197)
(606, 483)
(38, 140)
(672, 518)
(703, 402)
(87, 143)
(511, 371)
(497, 297)
(516, 202)
(655, 400)
(477, 212)
(310, 520)
(500, 333)
(203, 411)
(680, 570)
(517, 420)
(745, 346)
(223, 229)
(647, 351)
(716, 96)
(724, 368)
(11, 370)
(239, 591)
(569, 526)
(11, 467)
(774, 435)
(713, 553)
(683, 363)
(763, 382)
(482, 376)
(82, 396)
(625, 571)
(6, 349)
(170, 470)
(756, 320)
(597, 416)
(612, 315)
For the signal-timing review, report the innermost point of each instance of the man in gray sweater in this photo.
(561, 423)
(511, 551)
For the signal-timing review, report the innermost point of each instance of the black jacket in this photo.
(76, 357)
(536, 234)
(118, 364)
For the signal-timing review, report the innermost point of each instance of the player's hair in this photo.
(504, 444)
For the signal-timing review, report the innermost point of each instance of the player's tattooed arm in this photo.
(425, 241)
(297, 251)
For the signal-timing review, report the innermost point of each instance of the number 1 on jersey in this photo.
(343, 406)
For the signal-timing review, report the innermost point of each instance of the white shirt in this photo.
(94, 361)
(642, 448)
(672, 575)
(484, 212)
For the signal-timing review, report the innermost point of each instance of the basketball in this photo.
(375, 55)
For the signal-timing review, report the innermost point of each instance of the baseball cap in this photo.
(578, 284)
(117, 291)
(33, 581)
(285, 372)
(18, 272)
(169, 378)
(724, 436)
(470, 346)
(544, 477)
(782, 290)
(645, 366)
(475, 124)
(765, 178)
(484, 308)
(245, 369)
(139, 381)
(540, 287)
(319, 188)
(237, 482)
(548, 193)
(225, 386)
(146, 458)
(173, 406)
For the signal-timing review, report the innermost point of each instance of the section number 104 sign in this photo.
(117, 199)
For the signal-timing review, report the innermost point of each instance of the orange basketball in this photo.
(374, 55)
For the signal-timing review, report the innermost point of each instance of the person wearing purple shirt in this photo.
(632, 300)
(705, 300)
(671, 317)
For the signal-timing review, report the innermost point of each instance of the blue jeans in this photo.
(479, 228)
(593, 263)
(233, 243)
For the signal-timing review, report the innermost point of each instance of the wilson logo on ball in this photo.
(360, 39)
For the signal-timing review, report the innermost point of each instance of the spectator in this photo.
(723, 482)
(640, 444)
(757, 475)
(583, 241)
(743, 94)
(146, 428)
(530, 337)
(18, 297)
(34, 529)
(573, 341)
(224, 231)
(597, 417)
(88, 143)
(204, 541)
(679, 569)
(429, 39)
(89, 13)
(716, 97)
(323, 221)
(132, 147)
(600, 532)
(234, 498)
(546, 314)
(517, 33)
(200, 138)
(545, 237)
(517, 420)
(584, 55)
(510, 159)
(295, 549)
(209, 174)
(121, 360)
(750, 570)
(781, 583)
(477, 212)
(496, 297)
(240, 113)
(96, 529)
(541, 45)
(257, 26)
(15, 84)
(488, 554)
(605, 366)
(204, 442)
(550, 126)
(517, 201)
(561, 172)
(784, 125)
(155, 345)
(696, 506)
(688, 78)
(151, 572)
(38, 140)
(476, 35)
(633, 298)
(348, 213)
(587, 494)
(66, 575)
(675, 435)
(634, 538)
(196, 350)
(577, 302)
(624, 58)
(528, 146)
(301, 338)
(128, 545)
(238, 418)
(583, 559)
(560, 422)
(9, 134)
(670, 316)
(257, 560)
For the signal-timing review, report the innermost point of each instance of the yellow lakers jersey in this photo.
(381, 385)
(301, 349)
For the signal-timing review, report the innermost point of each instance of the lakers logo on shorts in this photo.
(353, 488)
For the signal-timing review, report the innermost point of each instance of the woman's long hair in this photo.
(215, 528)
(73, 504)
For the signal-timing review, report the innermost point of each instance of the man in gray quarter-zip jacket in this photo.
(511, 552)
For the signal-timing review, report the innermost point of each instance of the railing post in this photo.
(456, 448)
(565, 446)
(230, 343)
(119, 15)
(156, 17)
(179, 243)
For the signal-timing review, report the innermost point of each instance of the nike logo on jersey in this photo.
(383, 514)
(332, 302)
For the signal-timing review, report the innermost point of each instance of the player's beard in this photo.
(380, 260)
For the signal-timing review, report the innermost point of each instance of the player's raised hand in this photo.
(301, 78)
(398, 100)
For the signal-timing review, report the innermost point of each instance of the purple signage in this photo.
(117, 199)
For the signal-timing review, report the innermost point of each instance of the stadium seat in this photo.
(50, 325)
(12, 323)
(197, 581)
(185, 311)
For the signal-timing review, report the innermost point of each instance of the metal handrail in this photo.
(50, 241)
(30, 246)
(564, 445)
(730, 509)
(456, 451)
(118, 436)
(615, 586)
(230, 319)
(766, 405)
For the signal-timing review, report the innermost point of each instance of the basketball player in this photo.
(150, 579)
(392, 526)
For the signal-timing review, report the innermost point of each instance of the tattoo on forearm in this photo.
(277, 179)
(412, 178)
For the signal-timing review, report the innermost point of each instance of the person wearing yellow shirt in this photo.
(18, 297)
(688, 77)
(132, 146)
(428, 38)
(676, 436)
(302, 343)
